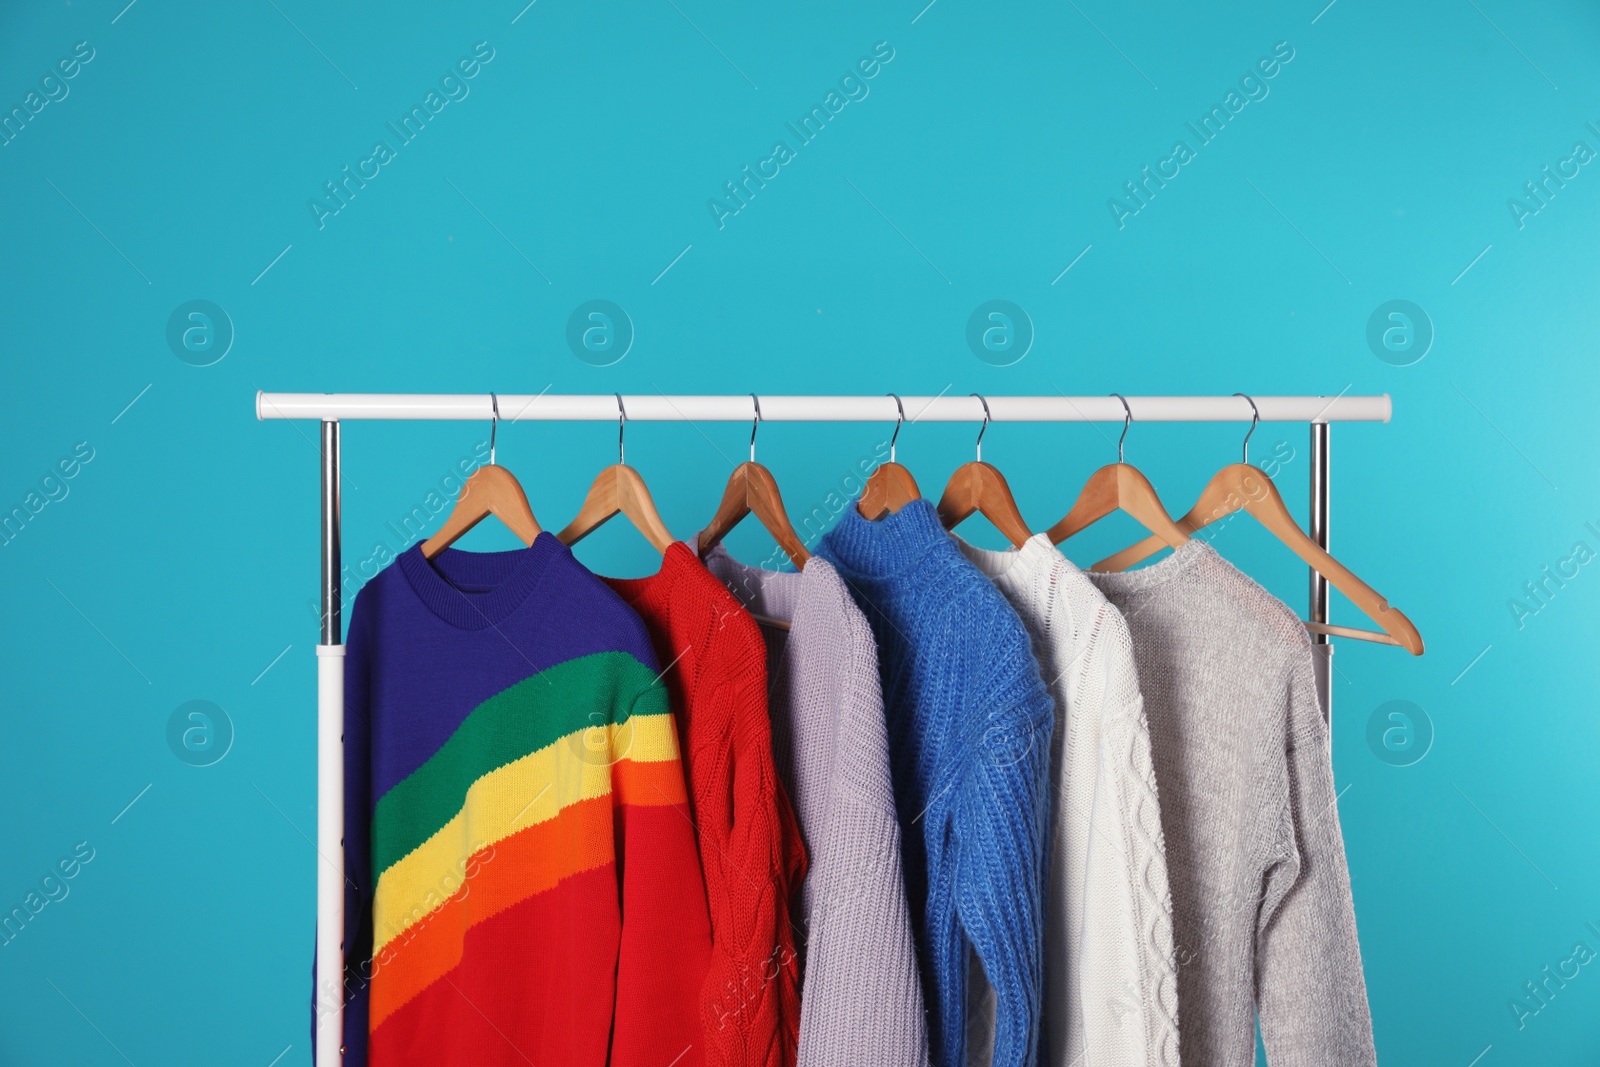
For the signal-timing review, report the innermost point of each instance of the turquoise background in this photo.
(180, 563)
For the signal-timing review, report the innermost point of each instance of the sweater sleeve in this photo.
(1128, 986)
(666, 938)
(753, 858)
(999, 822)
(1310, 992)
(863, 995)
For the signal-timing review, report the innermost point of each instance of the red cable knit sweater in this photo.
(714, 665)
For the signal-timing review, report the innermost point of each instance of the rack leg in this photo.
(1322, 647)
(330, 772)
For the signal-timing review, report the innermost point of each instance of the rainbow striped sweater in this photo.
(522, 877)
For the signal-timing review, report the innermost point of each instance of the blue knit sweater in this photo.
(969, 740)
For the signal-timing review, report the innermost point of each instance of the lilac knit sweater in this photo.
(862, 998)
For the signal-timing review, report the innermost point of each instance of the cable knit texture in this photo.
(862, 997)
(969, 741)
(1111, 990)
(714, 666)
(1262, 911)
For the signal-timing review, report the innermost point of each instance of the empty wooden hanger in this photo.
(489, 490)
(1242, 487)
(618, 490)
(1119, 487)
(979, 487)
(752, 490)
(891, 486)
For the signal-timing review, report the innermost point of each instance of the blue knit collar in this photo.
(895, 543)
(475, 590)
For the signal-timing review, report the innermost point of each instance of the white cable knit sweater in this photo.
(1111, 992)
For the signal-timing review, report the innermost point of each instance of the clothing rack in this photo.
(333, 408)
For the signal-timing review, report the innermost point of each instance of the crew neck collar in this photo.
(1127, 583)
(880, 547)
(774, 594)
(677, 559)
(476, 590)
(997, 564)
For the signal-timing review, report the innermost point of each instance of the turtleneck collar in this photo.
(878, 548)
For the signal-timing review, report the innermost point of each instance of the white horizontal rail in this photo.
(948, 407)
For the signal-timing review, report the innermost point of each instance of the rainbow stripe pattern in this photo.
(531, 889)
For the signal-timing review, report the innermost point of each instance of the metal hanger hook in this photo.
(900, 418)
(1127, 420)
(985, 427)
(754, 426)
(622, 424)
(494, 406)
(1255, 417)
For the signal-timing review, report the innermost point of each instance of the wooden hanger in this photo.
(1243, 487)
(1119, 487)
(752, 490)
(489, 490)
(979, 487)
(618, 490)
(891, 486)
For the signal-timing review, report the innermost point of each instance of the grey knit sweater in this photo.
(1262, 912)
(861, 1001)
